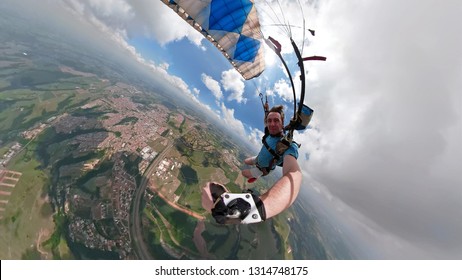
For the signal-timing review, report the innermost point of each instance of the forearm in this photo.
(284, 192)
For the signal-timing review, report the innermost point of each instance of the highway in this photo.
(140, 248)
(136, 236)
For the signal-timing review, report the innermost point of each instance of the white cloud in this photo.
(232, 81)
(255, 137)
(164, 65)
(234, 125)
(112, 17)
(284, 90)
(212, 85)
(162, 24)
(196, 92)
(146, 18)
(387, 120)
(114, 9)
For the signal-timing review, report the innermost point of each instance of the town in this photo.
(125, 128)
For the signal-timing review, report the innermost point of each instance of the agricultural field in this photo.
(27, 220)
(30, 99)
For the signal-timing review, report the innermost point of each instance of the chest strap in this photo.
(281, 146)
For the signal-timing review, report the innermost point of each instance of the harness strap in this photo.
(264, 170)
(272, 152)
(282, 146)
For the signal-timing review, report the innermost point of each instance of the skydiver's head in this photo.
(275, 120)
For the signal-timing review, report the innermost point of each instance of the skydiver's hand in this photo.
(207, 200)
(210, 193)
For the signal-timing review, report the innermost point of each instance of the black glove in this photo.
(220, 210)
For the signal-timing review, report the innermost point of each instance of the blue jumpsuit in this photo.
(264, 157)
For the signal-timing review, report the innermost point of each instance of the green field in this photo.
(28, 212)
(29, 97)
(171, 227)
(21, 108)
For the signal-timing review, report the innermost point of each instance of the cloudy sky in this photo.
(383, 156)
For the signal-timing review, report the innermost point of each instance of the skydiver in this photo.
(228, 208)
(272, 153)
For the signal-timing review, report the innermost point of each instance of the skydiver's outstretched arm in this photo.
(277, 199)
(284, 192)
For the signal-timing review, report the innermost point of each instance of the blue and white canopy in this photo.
(231, 25)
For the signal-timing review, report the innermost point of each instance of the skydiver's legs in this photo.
(246, 173)
(253, 173)
(251, 160)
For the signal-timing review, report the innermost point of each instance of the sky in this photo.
(382, 156)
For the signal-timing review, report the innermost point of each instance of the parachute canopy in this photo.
(232, 26)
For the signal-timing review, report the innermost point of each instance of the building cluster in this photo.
(230, 159)
(69, 124)
(88, 142)
(111, 133)
(32, 133)
(147, 128)
(84, 231)
(165, 169)
(148, 156)
(37, 129)
(10, 154)
(123, 188)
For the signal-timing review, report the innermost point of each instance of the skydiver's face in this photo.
(274, 123)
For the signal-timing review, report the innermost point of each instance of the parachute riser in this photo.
(299, 116)
(264, 104)
(276, 47)
(302, 79)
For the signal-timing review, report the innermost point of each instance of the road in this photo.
(140, 248)
(136, 235)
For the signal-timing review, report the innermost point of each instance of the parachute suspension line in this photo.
(304, 36)
(302, 79)
(280, 27)
(264, 104)
(284, 17)
(281, 24)
(275, 18)
(304, 26)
